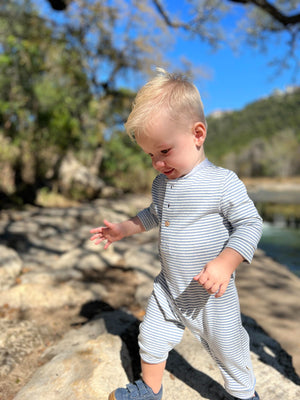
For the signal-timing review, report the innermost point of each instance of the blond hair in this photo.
(169, 93)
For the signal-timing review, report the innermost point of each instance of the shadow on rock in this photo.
(126, 326)
(269, 350)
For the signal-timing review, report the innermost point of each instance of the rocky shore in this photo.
(69, 312)
(285, 190)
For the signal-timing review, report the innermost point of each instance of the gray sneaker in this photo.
(135, 391)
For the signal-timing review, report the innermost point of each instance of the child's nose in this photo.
(158, 163)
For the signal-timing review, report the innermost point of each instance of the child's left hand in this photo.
(216, 274)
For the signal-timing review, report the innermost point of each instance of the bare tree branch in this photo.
(195, 25)
(166, 18)
(178, 24)
(273, 11)
(265, 5)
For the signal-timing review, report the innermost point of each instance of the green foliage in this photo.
(125, 165)
(45, 89)
(261, 119)
(262, 139)
(62, 87)
(60, 81)
(8, 152)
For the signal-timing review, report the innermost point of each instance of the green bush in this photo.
(125, 165)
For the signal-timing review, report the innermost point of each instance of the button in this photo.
(167, 223)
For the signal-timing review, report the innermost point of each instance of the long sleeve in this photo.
(245, 222)
(148, 217)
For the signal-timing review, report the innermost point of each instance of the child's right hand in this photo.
(110, 232)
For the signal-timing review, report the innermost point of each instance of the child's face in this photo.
(175, 150)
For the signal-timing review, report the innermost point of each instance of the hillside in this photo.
(263, 139)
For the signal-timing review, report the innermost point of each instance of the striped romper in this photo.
(199, 215)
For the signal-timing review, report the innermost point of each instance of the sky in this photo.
(232, 80)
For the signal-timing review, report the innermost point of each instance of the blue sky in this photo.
(233, 80)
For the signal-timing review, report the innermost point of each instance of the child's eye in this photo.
(165, 151)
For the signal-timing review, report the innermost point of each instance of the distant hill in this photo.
(263, 139)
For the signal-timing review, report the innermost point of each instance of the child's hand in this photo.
(216, 274)
(213, 279)
(111, 233)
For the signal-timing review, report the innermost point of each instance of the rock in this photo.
(56, 279)
(110, 192)
(82, 260)
(276, 191)
(86, 364)
(83, 371)
(10, 267)
(91, 362)
(190, 363)
(36, 295)
(268, 293)
(17, 339)
(77, 180)
(50, 278)
(145, 262)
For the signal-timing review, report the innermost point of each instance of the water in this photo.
(282, 244)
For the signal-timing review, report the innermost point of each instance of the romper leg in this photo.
(160, 331)
(223, 335)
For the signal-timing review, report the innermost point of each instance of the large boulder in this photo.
(86, 365)
(77, 181)
(90, 362)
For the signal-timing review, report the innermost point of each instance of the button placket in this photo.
(168, 208)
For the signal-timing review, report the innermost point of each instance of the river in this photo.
(282, 244)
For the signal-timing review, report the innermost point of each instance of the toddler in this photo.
(208, 226)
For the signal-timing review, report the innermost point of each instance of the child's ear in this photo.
(199, 132)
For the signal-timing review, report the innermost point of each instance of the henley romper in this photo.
(199, 215)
